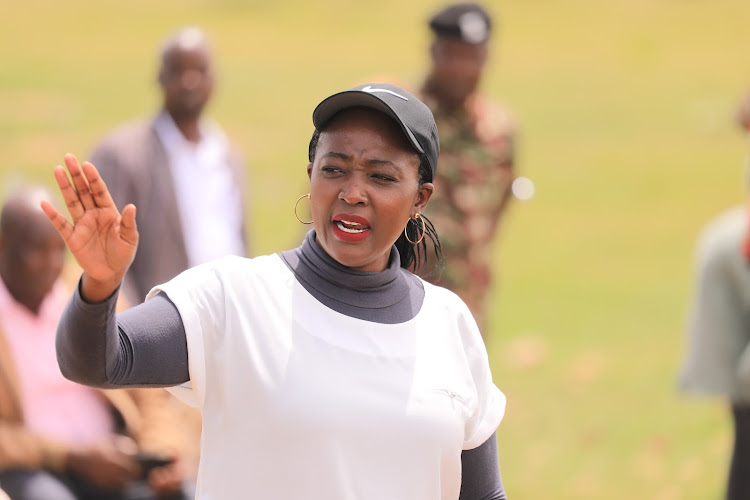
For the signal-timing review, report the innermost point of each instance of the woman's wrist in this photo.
(94, 291)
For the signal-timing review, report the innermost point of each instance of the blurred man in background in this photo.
(185, 179)
(60, 440)
(477, 136)
(717, 360)
(179, 170)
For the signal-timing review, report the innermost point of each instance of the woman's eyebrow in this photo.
(372, 162)
(334, 154)
(386, 163)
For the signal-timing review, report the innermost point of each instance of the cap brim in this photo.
(336, 103)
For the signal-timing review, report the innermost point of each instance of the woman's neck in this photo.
(393, 295)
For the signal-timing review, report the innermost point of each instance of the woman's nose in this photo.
(353, 192)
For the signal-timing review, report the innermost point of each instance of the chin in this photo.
(348, 258)
(187, 113)
(359, 260)
(460, 93)
(352, 255)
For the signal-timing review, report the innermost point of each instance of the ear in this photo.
(309, 170)
(423, 196)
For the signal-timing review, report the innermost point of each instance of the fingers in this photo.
(79, 181)
(88, 189)
(163, 479)
(125, 445)
(128, 229)
(98, 188)
(69, 194)
(62, 225)
(168, 479)
(124, 456)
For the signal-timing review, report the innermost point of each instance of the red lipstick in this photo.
(350, 228)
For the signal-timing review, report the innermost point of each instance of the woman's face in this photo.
(364, 186)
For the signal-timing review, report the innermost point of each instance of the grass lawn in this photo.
(625, 108)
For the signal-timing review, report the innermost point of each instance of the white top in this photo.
(207, 196)
(717, 361)
(300, 401)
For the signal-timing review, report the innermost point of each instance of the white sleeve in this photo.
(717, 330)
(490, 403)
(198, 294)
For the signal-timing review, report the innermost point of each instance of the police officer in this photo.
(473, 183)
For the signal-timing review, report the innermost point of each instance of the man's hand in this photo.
(167, 481)
(108, 464)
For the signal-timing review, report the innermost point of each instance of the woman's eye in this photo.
(382, 177)
(330, 170)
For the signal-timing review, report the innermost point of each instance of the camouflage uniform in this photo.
(471, 190)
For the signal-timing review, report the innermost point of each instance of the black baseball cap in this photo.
(466, 21)
(414, 117)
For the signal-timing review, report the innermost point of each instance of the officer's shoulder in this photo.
(492, 113)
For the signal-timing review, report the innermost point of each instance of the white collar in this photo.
(172, 137)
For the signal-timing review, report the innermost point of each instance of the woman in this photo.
(328, 371)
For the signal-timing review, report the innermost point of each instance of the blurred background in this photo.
(625, 109)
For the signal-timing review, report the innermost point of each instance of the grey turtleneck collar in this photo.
(392, 296)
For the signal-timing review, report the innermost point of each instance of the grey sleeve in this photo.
(480, 476)
(142, 347)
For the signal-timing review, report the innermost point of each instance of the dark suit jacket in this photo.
(134, 164)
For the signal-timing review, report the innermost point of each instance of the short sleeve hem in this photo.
(192, 392)
(491, 421)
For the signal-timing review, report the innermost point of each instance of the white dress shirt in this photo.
(207, 197)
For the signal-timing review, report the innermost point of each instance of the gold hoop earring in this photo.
(424, 229)
(295, 208)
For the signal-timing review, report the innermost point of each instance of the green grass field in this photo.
(625, 108)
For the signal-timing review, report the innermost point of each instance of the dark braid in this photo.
(313, 147)
(413, 257)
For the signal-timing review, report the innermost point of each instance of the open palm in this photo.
(102, 240)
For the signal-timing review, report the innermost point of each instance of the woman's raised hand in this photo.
(102, 240)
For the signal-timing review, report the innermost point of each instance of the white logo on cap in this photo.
(473, 27)
(371, 90)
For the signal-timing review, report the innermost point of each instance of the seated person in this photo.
(60, 440)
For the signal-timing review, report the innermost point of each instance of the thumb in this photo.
(57, 219)
(128, 229)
